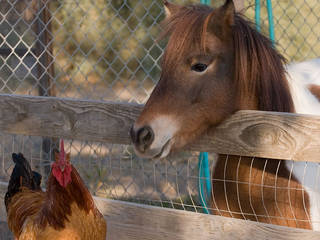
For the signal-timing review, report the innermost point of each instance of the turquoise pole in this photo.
(206, 171)
(270, 19)
(257, 15)
(203, 166)
(208, 2)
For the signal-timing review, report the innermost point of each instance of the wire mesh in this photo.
(296, 27)
(107, 50)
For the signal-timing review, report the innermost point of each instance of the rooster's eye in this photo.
(199, 67)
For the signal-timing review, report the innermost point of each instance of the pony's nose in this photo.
(142, 137)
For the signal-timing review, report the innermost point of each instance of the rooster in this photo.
(65, 211)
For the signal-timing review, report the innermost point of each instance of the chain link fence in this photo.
(107, 50)
(297, 28)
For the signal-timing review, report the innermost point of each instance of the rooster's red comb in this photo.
(62, 153)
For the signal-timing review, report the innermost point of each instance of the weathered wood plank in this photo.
(73, 119)
(129, 221)
(267, 135)
(246, 133)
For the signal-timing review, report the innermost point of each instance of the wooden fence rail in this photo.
(130, 221)
(246, 133)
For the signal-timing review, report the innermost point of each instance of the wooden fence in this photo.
(246, 133)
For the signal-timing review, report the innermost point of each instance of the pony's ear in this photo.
(170, 8)
(221, 20)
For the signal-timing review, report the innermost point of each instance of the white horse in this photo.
(301, 77)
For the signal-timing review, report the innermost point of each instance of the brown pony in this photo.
(215, 64)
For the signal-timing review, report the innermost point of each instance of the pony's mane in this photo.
(259, 71)
(259, 68)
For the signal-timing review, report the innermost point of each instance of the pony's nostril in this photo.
(145, 137)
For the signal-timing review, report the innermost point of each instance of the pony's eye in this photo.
(199, 67)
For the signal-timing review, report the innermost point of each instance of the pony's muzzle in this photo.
(154, 138)
(142, 138)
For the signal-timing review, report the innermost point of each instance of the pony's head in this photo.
(214, 64)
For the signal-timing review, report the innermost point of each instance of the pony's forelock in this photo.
(184, 30)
